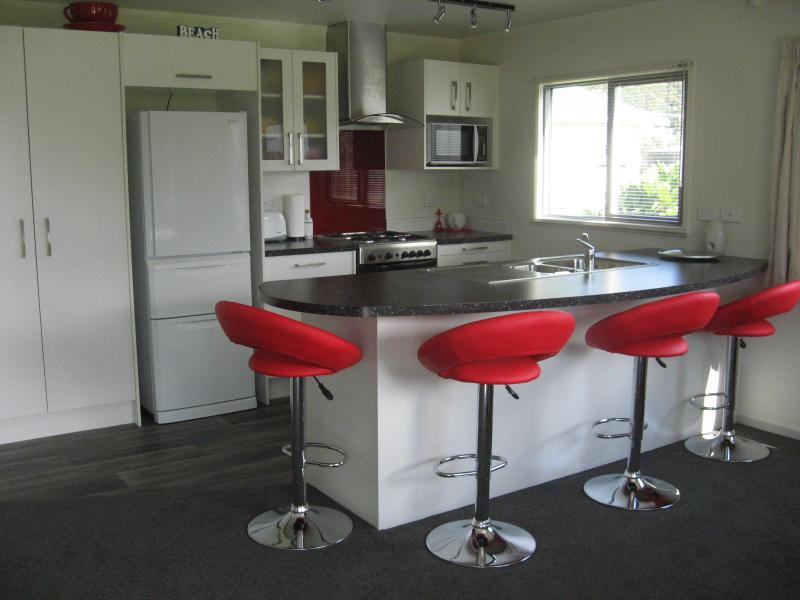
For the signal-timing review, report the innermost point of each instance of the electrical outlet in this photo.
(432, 202)
(732, 214)
(708, 213)
(481, 200)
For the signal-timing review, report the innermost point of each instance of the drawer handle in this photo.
(193, 76)
(475, 249)
(314, 264)
(196, 267)
(197, 322)
(475, 262)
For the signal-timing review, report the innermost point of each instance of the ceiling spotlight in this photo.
(508, 21)
(473, 18)
(440, 13)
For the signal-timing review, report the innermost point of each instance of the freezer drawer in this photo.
(191, 286)
(195, 364)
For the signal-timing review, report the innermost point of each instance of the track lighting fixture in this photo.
(473, 6)
(440, 13)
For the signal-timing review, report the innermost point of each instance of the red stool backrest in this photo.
(655, 329)
(747, 317)
(285, 347)
(535, 335)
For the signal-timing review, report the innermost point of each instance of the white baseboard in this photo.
(68, 421)
(207, 410)
(766, 426)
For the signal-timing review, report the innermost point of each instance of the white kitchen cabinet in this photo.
(474, 253)
(299, 110)
(76, 208)
(176, 62)
(22, 390)
(440, 91)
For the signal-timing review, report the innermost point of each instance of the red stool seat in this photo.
(499, 350)
(285, 347)
(748, 316)
(655, 329)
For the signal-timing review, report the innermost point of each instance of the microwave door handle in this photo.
(475, 145)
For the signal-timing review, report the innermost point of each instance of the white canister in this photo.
(715, 237)
(294, 209)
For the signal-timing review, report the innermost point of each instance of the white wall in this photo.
(736, 52)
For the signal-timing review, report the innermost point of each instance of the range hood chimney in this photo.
(362, 73)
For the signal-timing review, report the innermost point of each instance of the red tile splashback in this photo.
(354, 197)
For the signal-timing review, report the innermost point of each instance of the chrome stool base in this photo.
(726, 448)
(631, 492)
(315, 527)
(498, 544)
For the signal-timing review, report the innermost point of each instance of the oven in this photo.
(390, 250)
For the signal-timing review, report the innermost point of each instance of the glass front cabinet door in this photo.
(299, 111)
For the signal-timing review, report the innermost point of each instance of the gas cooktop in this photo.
(374, 237)
(387, 250)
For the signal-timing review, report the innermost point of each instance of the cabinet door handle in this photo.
(193, 76)
(453, 94)
(301, 151)
(291, 148)
(468, 98)
(475, 249)
(49, 246)
(314, 264)
(23, 251)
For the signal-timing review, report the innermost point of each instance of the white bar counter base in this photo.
(396, 419)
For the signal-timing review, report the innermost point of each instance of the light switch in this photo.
(732, 214)
(708, 213)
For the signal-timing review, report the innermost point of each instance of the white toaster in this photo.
(274, 226)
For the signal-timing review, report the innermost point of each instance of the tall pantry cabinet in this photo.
(66, 338)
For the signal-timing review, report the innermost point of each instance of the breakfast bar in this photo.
(396, 419)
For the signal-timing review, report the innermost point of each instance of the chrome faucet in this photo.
(588, 252)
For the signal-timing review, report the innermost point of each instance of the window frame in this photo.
(617, 77)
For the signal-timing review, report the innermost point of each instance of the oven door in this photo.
(451, 144)
(416, 264)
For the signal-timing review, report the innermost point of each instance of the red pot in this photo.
(91, 11)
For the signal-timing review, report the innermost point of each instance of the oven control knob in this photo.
(404, 255)
(371, 257)
(413, 253)
(388, 255)
(427, 252)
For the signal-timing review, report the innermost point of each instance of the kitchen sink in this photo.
(535, 268)
(573, 263)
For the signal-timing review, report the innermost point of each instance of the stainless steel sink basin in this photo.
(573, 263)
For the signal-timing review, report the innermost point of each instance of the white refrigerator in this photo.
(191, 248)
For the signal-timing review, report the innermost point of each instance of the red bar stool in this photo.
(746, 317)
(287, 348)
(496, 351)
(653, 330)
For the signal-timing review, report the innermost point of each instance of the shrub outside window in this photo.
(612, 149)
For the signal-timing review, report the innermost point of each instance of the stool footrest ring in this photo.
(697, 401)
(502, 462)
(611, 436)
(287, 450)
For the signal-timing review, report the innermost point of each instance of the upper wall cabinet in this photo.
(163, 61)
(299, 111)
(444, 88)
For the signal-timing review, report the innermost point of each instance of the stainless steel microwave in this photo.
(451, 144)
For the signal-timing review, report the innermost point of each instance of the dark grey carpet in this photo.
(734, 534)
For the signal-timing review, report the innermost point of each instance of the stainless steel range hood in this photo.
(362, 73)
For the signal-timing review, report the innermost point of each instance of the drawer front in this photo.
(162, 61)
(475, 249)
(192, 286)
(303, 266)
(477, 258)
(194, 364)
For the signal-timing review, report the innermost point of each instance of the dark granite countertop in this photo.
(321, 244)
(449, 290)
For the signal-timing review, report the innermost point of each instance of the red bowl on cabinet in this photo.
(91, 11)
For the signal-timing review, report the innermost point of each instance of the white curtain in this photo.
(785, 256)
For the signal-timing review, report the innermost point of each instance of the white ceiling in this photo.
(411, 16)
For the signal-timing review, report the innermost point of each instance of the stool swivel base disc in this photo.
(498, 544)
(726, 448)
(316, 527)
(631, 493)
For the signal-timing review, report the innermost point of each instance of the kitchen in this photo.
(735, 48)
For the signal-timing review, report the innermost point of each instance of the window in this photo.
(612, 149)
